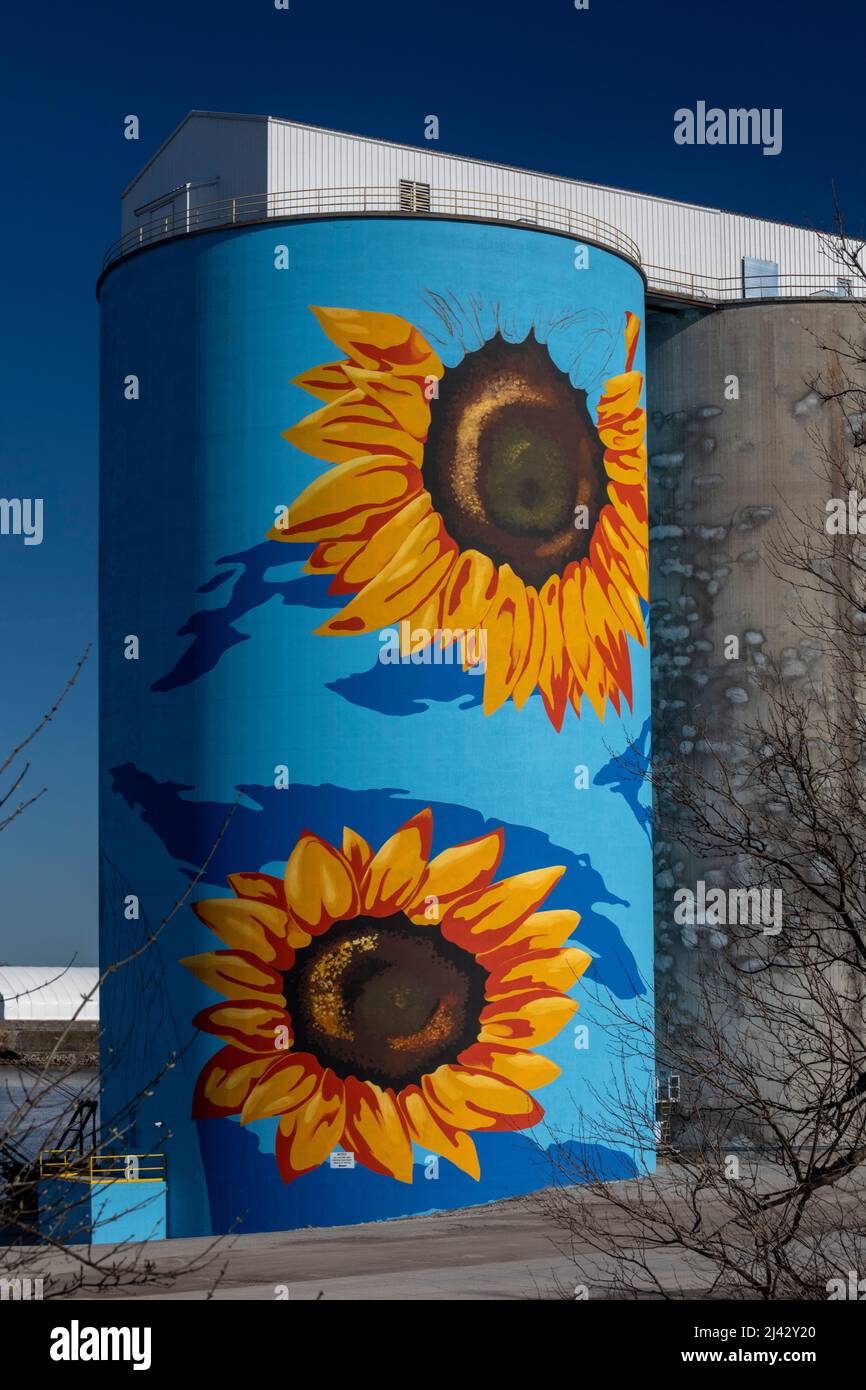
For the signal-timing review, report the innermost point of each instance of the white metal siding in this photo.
(204, 147)
(254, 155)
(680, 236)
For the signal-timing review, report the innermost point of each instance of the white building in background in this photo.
(217, 168)
(49, 993)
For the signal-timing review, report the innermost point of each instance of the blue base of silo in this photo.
(107, 1213)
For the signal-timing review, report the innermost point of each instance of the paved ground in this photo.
(502, 1252)
(511, 1250)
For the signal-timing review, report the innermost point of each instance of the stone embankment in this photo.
(35, 1043)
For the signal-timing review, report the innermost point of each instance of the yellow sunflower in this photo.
(481, 499)
(376, 1000)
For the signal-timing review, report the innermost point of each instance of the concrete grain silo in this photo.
(376, 715)
(740, 443)
(373, 606)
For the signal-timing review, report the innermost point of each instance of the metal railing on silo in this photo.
(667, 281)
(329, 202)
(662, 281)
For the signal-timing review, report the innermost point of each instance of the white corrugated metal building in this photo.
(218, 168)
(52, 993)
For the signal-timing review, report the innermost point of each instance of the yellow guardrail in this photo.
(71, 1166)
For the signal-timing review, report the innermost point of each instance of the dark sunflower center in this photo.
(512, 459)
(384, 1000)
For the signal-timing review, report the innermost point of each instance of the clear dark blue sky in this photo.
(531, 82)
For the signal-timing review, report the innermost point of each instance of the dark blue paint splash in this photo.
(511, 1165)
(213, 629)
(405, 688)
(192, 832)
(626, 774)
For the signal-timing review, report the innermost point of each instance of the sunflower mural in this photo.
(376, 1000)
(484, 498)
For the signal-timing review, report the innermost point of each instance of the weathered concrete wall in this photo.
(722, 473)
(32, 1041)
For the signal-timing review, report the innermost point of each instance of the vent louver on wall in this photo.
(414, 197)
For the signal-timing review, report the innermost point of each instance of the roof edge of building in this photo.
(470, 159)
(190, 115)
(546, 174)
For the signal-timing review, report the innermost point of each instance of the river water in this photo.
(46, 1118)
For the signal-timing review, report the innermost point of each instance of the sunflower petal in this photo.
(550, 969)
(528, 678)
(620, 399)
(606, 634)
(574, 630)
(383, 341)
(327, 382)
(375, 1131)
(469, 592)
(249, 1024)
(626, 467)
(245, 924)
(486, 919)
(613, 694)
(429, 1132)
(417, 569)
(402, 397)
(350, 428)
(288, 1082)
(370, 559)
(392, 878)
(553, 675)
(349, 501)
(528, 1019)
(262, 888)
(586, 661)
(237, 975)
(225, 1082)
(468, 1099)
(459, 870)
(509, 629)
(632, 333)
(310, 1131)
(356, 852)
(614, 577)
(539, 932)
(320, 886)
(528, 1070)
(329, 557)
(621, 433)
(424, 625)
(628, 538)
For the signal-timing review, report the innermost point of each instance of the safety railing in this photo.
(713, 289)
(412, 199)
(72, 1166)
(317, 202)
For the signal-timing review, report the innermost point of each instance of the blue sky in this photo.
(586, 94)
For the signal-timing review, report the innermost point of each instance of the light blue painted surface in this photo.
(194, 472)
(104, 1213)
